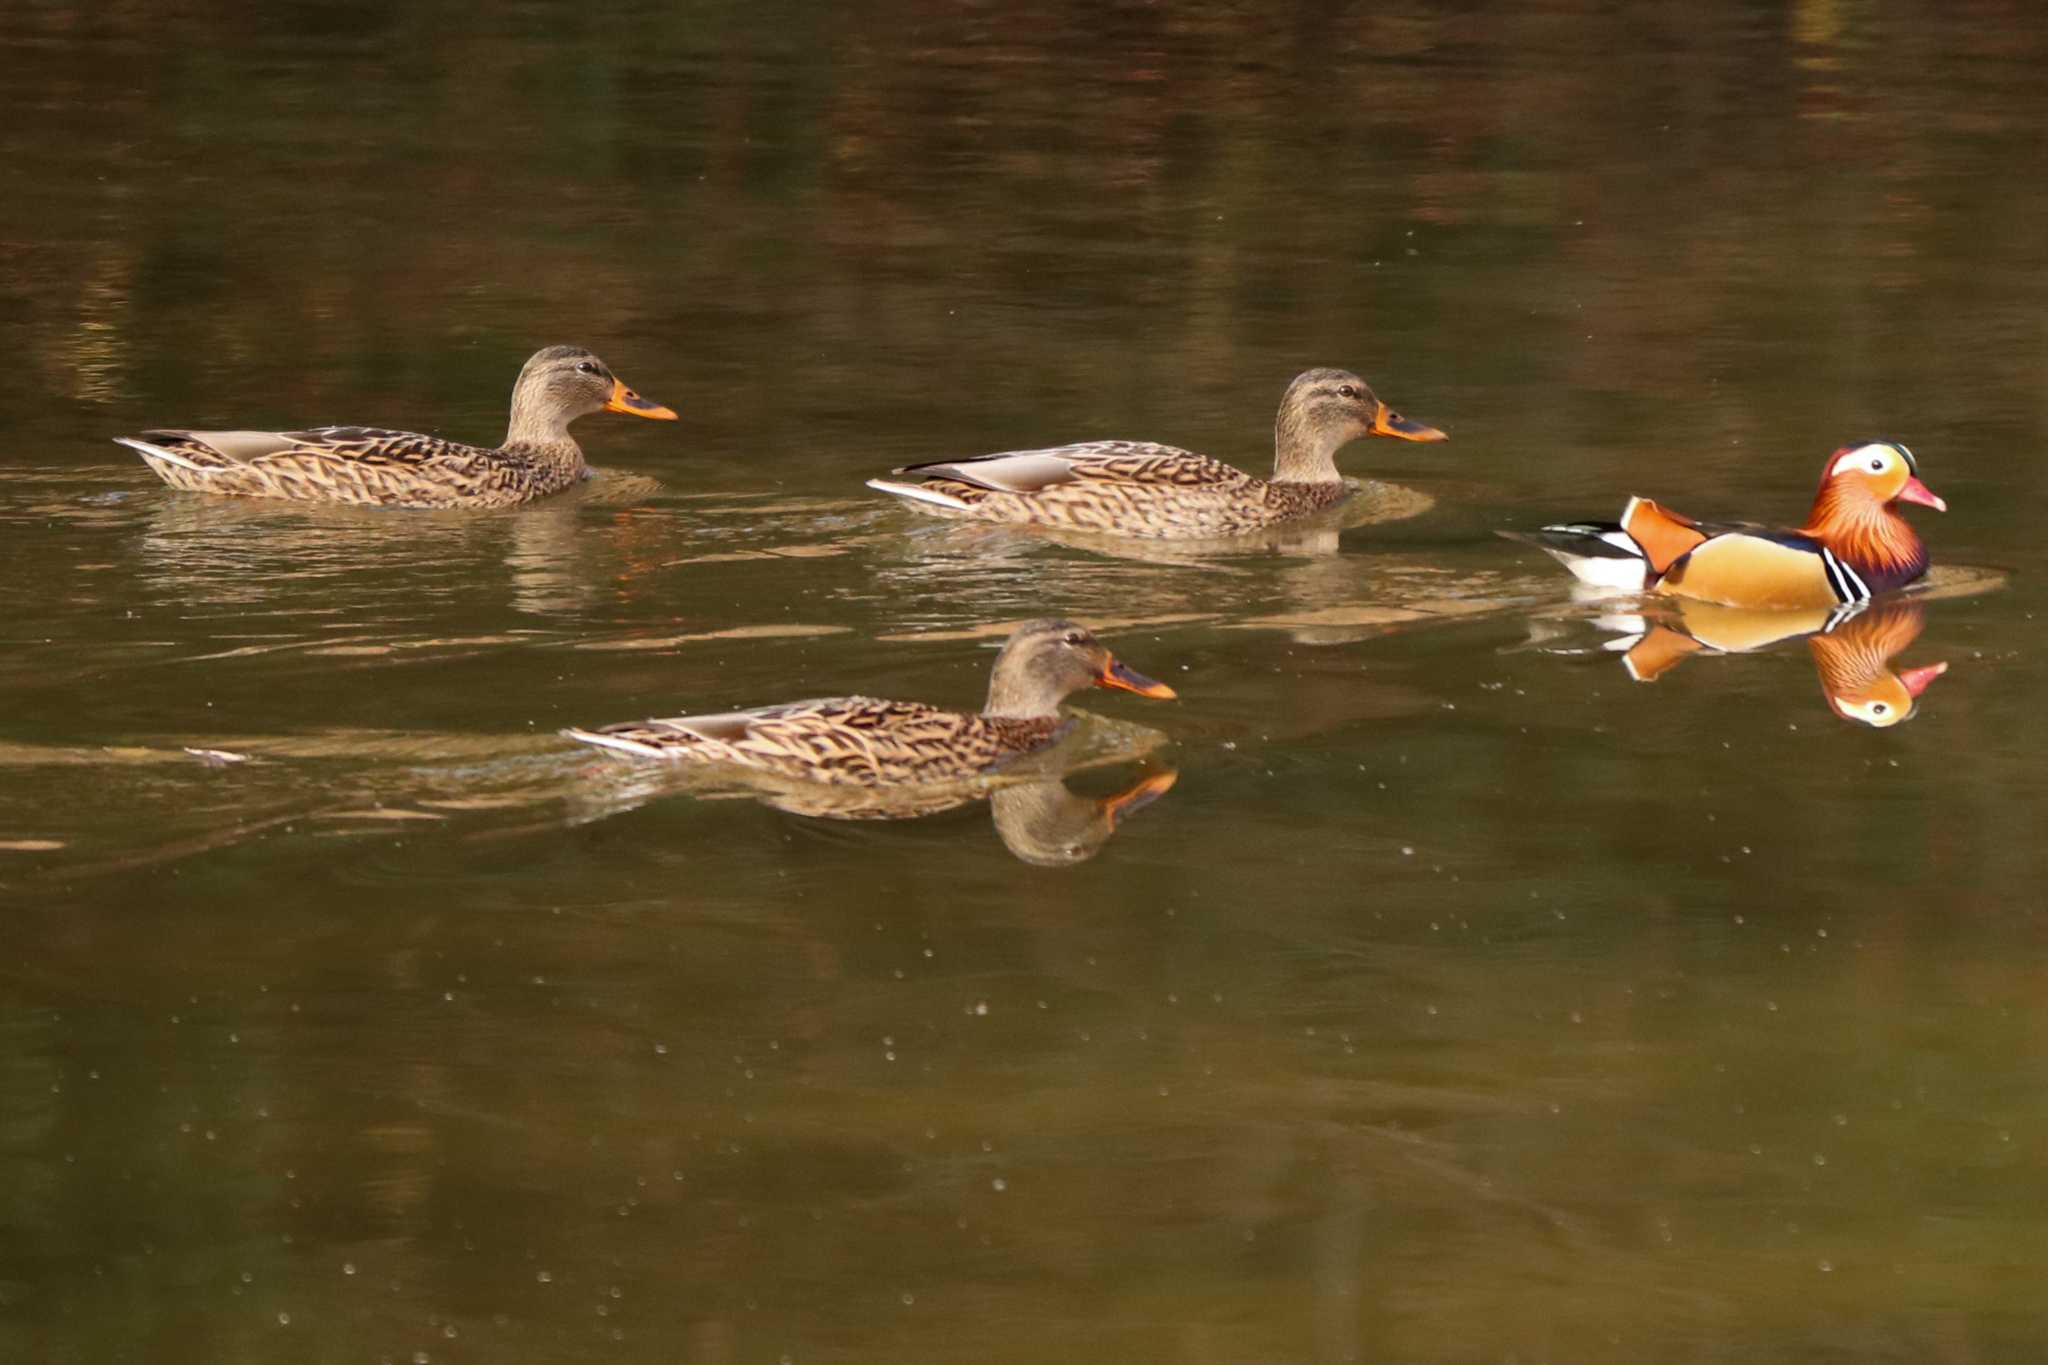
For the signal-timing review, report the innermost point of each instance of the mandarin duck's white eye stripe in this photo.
(1873, 455)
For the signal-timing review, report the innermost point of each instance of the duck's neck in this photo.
(1304, 454)
(1018, 694)
(541, 433)
(1867, 535)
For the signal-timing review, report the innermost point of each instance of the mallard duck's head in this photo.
(561, 383)
(1336, 406)
(1047, 661)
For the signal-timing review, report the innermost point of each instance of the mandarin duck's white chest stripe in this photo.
(1847, 583)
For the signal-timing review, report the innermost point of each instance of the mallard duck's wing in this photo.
(327, 464)
(860, 740)
(1035, 471)
(203, 451)
(1116, 487)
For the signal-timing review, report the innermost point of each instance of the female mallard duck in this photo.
(1853, 546)
(1135, 488)
(863, 741)
(402, 468)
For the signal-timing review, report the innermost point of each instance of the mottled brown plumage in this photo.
(404, 468)
(1136, 488)
(868, 741)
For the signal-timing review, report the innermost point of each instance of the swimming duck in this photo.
(1854, 544)
(1136, 488)
(866, 741)
(403, 468)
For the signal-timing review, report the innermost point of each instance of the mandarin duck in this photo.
(1853, 546)
(1137, 488)
(403, 468)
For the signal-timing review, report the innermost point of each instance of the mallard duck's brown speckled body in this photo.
(862, 741)
(867, 741)
(404, 468)
(1135, 488)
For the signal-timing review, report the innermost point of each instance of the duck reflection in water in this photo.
(1852, 650)
(1045, 823)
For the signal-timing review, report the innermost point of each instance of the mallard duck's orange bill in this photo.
(1137, 796)
(1116, 675)
(625, 400)
(1387, 422)
(1917, 680)
(1916, 491)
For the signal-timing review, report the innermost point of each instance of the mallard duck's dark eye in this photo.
(586, 367)
(1075, 637)
(1348, 391)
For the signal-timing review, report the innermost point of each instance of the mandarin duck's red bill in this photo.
(1853, 547)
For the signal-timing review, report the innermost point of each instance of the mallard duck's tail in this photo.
(919, 492)
(618, 743)
(153, 453)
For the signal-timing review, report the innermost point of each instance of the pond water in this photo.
(1453, 997)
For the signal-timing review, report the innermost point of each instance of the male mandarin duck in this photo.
(1852, 649)
(1853, 546)
(403, 468)
(1137, 488)
(865, 741)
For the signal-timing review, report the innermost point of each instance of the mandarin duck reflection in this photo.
(870, 742)
(1852, 651)
(370, 465)
(1853, 547)
(1139, 488)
